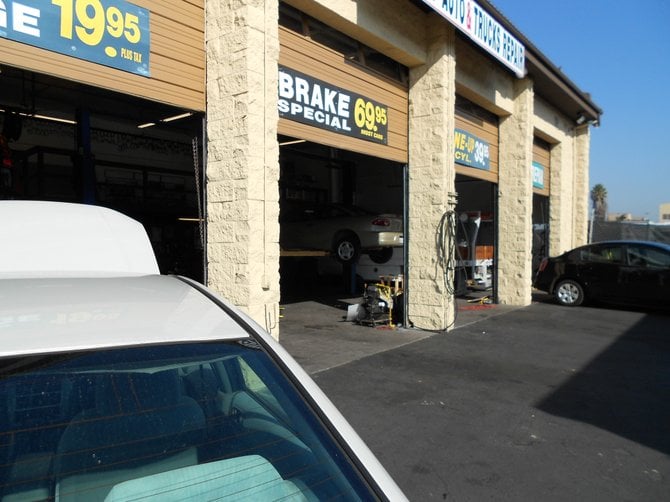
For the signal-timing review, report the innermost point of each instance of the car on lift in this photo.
(119, 383)
(344, 230)
(618, 272)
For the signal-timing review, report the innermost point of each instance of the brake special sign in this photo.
(110, 32)
(313, 102)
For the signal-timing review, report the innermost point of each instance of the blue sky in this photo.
(619, 51)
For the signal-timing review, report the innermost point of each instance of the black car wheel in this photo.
(381, 256)
(347, 248)
(569, 293)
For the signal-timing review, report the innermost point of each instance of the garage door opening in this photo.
(340, 220)
(476, 158)
(540, 230)
(541, 169)
(476, 236)
(65, 141)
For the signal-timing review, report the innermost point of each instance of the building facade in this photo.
(401, 106)
(664, 213)
(536, 132)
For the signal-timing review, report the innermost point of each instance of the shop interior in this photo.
(476, 229)
(65, 141)
(315, 176)
(540, 230)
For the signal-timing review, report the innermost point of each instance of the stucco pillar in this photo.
(582, 202)
(561, 198)
(243, 155)
(515, 200)
(432, 98)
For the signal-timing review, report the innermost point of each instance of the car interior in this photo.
(160, 425)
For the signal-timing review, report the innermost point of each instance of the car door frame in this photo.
(602, 278)
(646, 283)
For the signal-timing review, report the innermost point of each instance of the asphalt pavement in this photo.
(535, 403)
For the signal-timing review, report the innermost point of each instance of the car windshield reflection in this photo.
(170, 422)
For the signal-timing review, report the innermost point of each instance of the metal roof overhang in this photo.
(559, 91)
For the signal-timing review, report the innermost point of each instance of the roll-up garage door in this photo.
(148, 48)
(328, 99)
(476, 141)
(541, 166)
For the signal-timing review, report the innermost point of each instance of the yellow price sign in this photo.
(371, 118)
(369, 115)
(90, 20)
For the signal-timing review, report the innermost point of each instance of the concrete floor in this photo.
(536, 403)
(319, 337)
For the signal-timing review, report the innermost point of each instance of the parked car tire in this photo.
(381, 256)
(569, 293)
(347, 248)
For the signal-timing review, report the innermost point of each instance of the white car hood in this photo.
(58, 315)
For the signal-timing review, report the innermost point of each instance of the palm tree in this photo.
(599, 199)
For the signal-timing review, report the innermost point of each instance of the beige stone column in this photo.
(515, 200)
(561, 198)
(243, 155)
(432, 98)
(582, 202)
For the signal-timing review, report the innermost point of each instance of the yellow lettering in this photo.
(459, 140)
(462, 156)
(127, 54)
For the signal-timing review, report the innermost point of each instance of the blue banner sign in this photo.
(538, 175)
(471, 151)
(113, 33)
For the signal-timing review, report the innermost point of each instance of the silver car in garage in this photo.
(344, 230)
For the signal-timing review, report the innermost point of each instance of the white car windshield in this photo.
(194, 421)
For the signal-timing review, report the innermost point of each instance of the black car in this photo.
(621, 272)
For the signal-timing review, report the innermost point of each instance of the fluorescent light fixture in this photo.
(177, 117)
(293, 142)
(44, 117)
(51, 119)
(190, 219)
(165, 120)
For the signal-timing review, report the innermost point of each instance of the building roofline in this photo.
(550, 82)
(539, 65)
